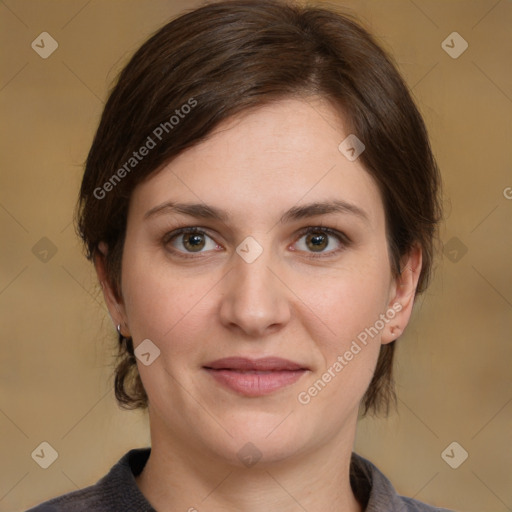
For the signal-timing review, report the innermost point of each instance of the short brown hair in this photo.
(231, 56)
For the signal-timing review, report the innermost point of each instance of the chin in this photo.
(261, 441)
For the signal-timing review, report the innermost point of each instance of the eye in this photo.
(189, 240)
(318, 239)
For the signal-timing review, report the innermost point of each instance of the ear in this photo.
(114, 303)
(401, 296)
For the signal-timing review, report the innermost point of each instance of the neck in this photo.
(181, 477)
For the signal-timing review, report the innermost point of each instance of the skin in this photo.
(286, 303)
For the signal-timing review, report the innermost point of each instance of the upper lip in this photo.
(262, 364)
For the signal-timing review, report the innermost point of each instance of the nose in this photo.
(255, 299)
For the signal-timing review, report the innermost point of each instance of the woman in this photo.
(260, 203)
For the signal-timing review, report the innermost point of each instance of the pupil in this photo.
(318, 241)
(194, 241)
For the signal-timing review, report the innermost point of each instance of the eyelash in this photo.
(342, 238)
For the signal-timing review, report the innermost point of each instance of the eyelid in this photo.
(325, 229)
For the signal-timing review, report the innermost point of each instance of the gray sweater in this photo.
(118, 492)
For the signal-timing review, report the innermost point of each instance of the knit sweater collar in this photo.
(371, 488)
(118, 490)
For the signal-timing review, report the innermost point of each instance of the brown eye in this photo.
(193, 241)
(189, 240)
(317, 241)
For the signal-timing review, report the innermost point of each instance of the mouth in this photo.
(255, 377)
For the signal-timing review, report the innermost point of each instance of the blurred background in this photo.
(448, 444)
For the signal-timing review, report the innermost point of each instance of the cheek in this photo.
(160, 304)
(348, 310)
(349, 347)
(349, 301)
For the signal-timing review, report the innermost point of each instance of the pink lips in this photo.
(255, 377)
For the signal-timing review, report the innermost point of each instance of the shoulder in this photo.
(411, 505)
(117, 490)
(376, 492)
(90, 498)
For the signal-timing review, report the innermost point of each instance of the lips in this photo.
(264, 364)
(255, 377)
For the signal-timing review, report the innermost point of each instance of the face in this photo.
(282, 266)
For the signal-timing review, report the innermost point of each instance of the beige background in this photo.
(454, 362)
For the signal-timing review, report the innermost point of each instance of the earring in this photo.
(119, 331)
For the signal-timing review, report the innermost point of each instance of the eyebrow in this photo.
(204, 211)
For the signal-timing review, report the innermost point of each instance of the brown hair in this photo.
(227, 57)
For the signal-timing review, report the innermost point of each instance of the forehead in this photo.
(265, 161)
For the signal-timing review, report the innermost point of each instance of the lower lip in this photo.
(256, 383)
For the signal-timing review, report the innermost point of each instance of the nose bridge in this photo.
(255, 299)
